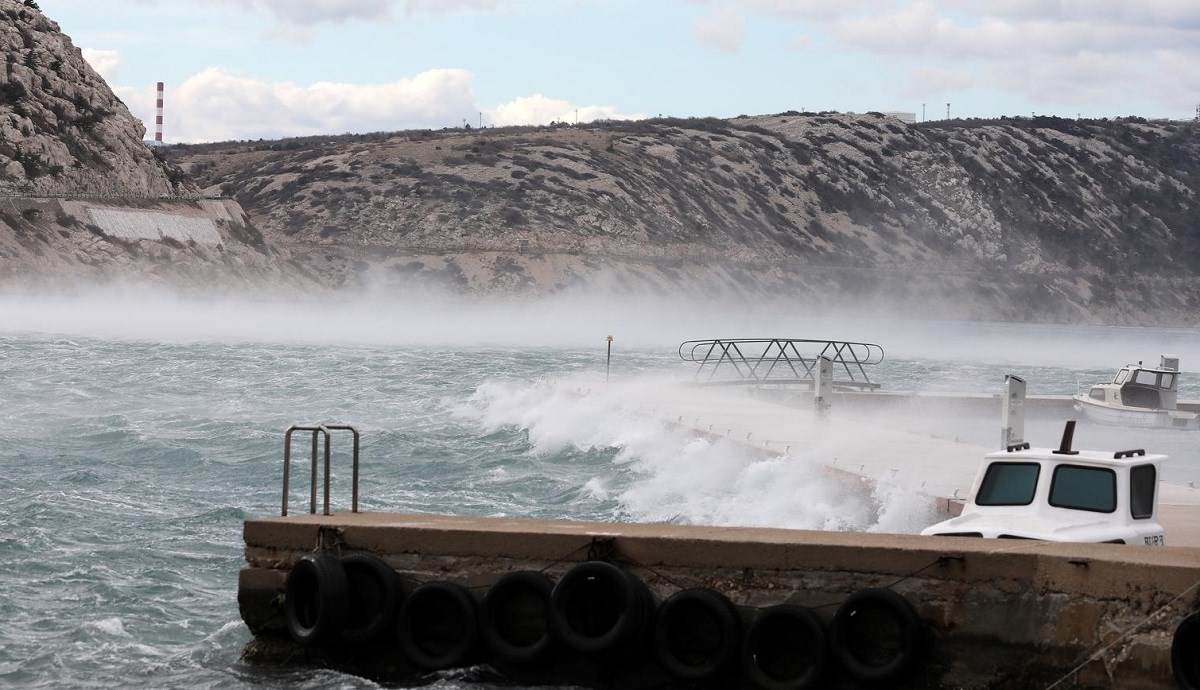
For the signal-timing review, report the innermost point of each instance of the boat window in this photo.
(1142, 482)
(1168, 381)
(1146, 378)
(1134, 395)
(1096, 393)
(1084, 488)
(1008, 484)
(1121, 376)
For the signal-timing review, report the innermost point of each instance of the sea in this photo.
(137, 434)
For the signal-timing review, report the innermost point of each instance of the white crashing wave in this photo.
(660, 473)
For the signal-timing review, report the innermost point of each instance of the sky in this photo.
(251, 69)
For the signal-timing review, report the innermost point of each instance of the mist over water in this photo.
(140, 431)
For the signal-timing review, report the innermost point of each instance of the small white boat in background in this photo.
(1139, 396)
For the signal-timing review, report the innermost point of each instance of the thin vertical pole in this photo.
(287, 466)
(608, 362)
(312, 501)
(354, 480)
(327, 473)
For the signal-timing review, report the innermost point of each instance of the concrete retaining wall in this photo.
(153, 225)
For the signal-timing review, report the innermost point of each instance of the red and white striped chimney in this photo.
(158, 140)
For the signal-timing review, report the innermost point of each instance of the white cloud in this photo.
(106, 62)
(309, 12)
(317, 11)
(1074, 79)
(445, 6)
(1176, 13)
(215, 105)
(1180, 85)
(1052, 51)
(930, 80)
(921, 29)
(723, 31)
(816, 10)
(540, 110)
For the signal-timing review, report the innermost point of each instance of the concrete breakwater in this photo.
(1002, 613)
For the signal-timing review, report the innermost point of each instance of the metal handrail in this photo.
(784, 354)
(318, 430)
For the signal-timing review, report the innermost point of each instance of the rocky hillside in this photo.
(1040, 218)
(62, 130)
(83, 199)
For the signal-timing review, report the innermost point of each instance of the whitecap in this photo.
(109, 626)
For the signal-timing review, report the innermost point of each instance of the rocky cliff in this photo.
(82, 198)
(1040, 218)
(62, 130)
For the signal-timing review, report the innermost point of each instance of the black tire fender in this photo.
(315, 599)
(514, 619)
(697, 634)
(785, 649)
(374, 598)
(437, 626)
(877, 636)
(1185, 653)
(598, 608)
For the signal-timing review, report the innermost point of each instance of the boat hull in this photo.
(1135, 417)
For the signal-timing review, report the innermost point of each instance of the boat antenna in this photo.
(1064, 448)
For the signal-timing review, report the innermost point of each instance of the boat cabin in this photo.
(1139, 386)
(1062, 495)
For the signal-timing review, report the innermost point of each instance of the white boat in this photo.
(1139, 396)
(1062, 495)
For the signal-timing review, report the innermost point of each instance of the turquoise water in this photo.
(129, 466)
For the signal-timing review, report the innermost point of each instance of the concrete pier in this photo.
(1004, 613)
(862, 444)
(1001, 614)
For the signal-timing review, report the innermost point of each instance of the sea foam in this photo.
(665, 473)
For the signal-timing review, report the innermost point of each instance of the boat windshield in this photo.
(1157, 379)
(1121, 376)
(1008, 484)
(1084, 488)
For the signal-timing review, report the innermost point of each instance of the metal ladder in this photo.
(318, 430)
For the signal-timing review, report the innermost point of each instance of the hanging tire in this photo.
(876, 636)
(437, 626)
(785, 649)
(1185, 653)
(514, 620)
(374, 598)
(697, 634)
(315, 599)
(598, 608)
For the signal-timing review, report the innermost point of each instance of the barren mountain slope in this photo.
(1021, 218)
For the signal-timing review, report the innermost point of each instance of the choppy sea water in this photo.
(129, 466)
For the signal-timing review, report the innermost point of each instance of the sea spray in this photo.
(661, 472)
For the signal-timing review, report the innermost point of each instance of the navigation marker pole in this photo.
(158, 120)
(608, 362)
